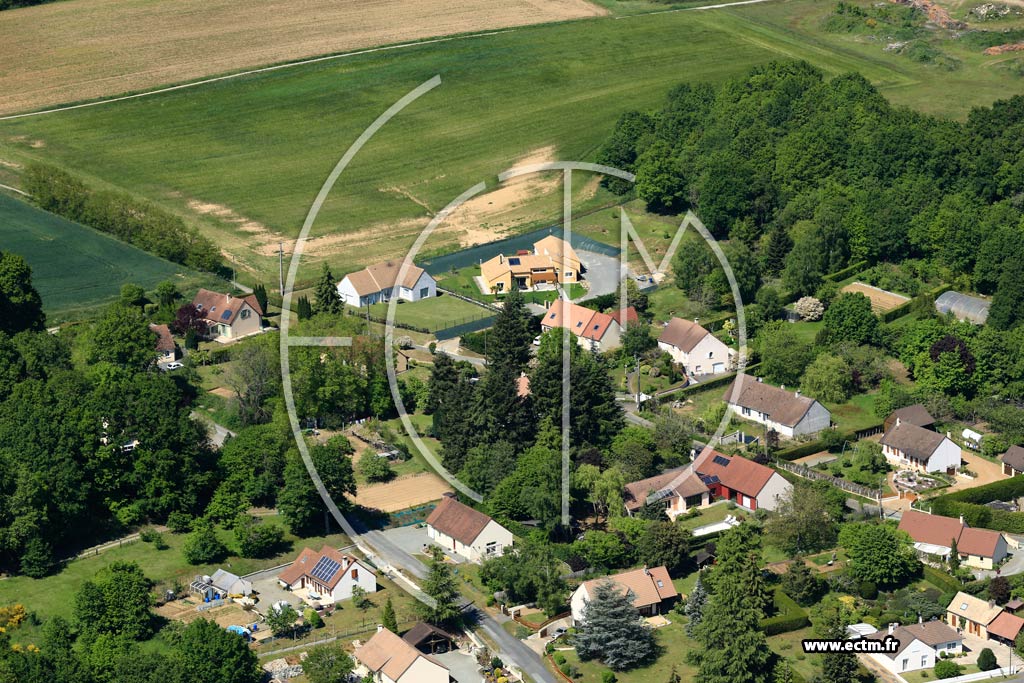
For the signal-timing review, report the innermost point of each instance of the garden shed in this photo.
(964, 307)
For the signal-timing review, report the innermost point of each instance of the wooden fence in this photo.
(815, 475)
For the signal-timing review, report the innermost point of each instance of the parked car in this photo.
(559, 632)
(174, 366)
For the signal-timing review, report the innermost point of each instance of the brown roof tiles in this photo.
(917, 442)
(783, 407)
(459, 521)
(649, 586)
(682, 334)
(386, 653)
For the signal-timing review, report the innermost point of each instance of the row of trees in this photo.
(137, 222)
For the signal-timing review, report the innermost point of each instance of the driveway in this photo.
(602, 273)
(986, 470)
(270, 591)
(410, 539)
(462, 666)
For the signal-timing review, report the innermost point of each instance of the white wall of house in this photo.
(348, 293)
(424, 671)
(981, 562)
(490, 542)
(709, 356)
(915, 657)
(612, 338)
(816, 419)
(355, 575)
(774, 490)
(246, 322)
(424, 288)
(577, 602)
(945, 457)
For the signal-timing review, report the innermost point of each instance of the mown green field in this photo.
(258, 148)
(76, 268)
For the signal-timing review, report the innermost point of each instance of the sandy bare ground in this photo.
(84, 49)
(881, 300)
(402, 493)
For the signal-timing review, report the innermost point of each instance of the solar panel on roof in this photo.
(225, 315)
(720, 460)
(325, 569)
(709, 479)
(513, 262)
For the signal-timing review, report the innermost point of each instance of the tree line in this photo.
(131, 220)
(804, 176)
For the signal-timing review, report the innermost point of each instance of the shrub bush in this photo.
(987, 660)
(868, 590)
(947, 668)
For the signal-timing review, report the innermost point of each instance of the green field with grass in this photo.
(244, 158)
(434, 313)
(76, 268)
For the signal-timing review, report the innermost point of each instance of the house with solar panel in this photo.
(327, 576)
(229, 317)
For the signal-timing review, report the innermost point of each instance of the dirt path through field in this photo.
(86, 49)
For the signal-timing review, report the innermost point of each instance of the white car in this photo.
(174, 366)
(536, 340)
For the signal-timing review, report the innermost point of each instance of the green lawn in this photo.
(77, 269)
(261, 145)
(674, 643)
(710, 515)
(857, 413)
(434, 313)
(54, 595)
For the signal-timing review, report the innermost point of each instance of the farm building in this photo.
(911, 447)
(693, 347)
(650, 588)
(593, 330)
(1013, 461)
(327, 576)
(378, 283)
(228, 317)
(963, 307)
(787, 412)
(466, 532)
(392, 660)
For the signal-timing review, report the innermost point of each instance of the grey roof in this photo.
(784, 407)
(963, 306)
(912, 440)
(916, 414)
(1014, 457)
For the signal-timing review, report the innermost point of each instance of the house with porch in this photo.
(327, 576)
(1013, 461)
(467, 532)
(592, 329)
(934, 535)
(229, 317)
(971, 615)
(696, 349)
(908, 446)
(379, 283)
(389, 659)
(650, 590)
(787, 412)
(679, 490)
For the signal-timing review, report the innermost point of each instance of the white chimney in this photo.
(948, 435)
(782, 386)
(501, 258)
(380, 627)
(797, 394)
(897, 422)
(696, 321)
(920, 619)
(892, 627)
(961, 519)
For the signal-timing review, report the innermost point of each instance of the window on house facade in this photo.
(355, 574)
(746, 411)
(245, 314)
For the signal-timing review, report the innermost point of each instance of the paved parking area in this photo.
(270, 591)
(602, 273)
(412, 539)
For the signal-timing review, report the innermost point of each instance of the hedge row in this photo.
(905, 307)
(845, 272)
(971, 504)
(1003, 489)
(789, 616)
(140, 223)
(812, 447)
(941, 580)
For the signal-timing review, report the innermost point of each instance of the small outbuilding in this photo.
(963, 307)
(916, 415)
(1013, 461)
(429, 639)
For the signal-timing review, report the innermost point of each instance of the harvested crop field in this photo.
(881, 300)
(402, 493)
(87, 49)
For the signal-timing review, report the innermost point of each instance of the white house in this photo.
(920, 645)
(327, 576)
(787, 412)
(166, 347)
(648, 589)
(392, 660)
(934, 535)
(466, 532)
(693, 347)
(593, 330)
(377, 283)
(908, 446)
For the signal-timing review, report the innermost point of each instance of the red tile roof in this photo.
(631, 315)
(649, 586)
(459, 521)
(980, 542)
(931, 529)
(307, 560)
(689, 485)
(736, 472)
(1006, 625)
(223, 308)
(164, 341)
(385, 652)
